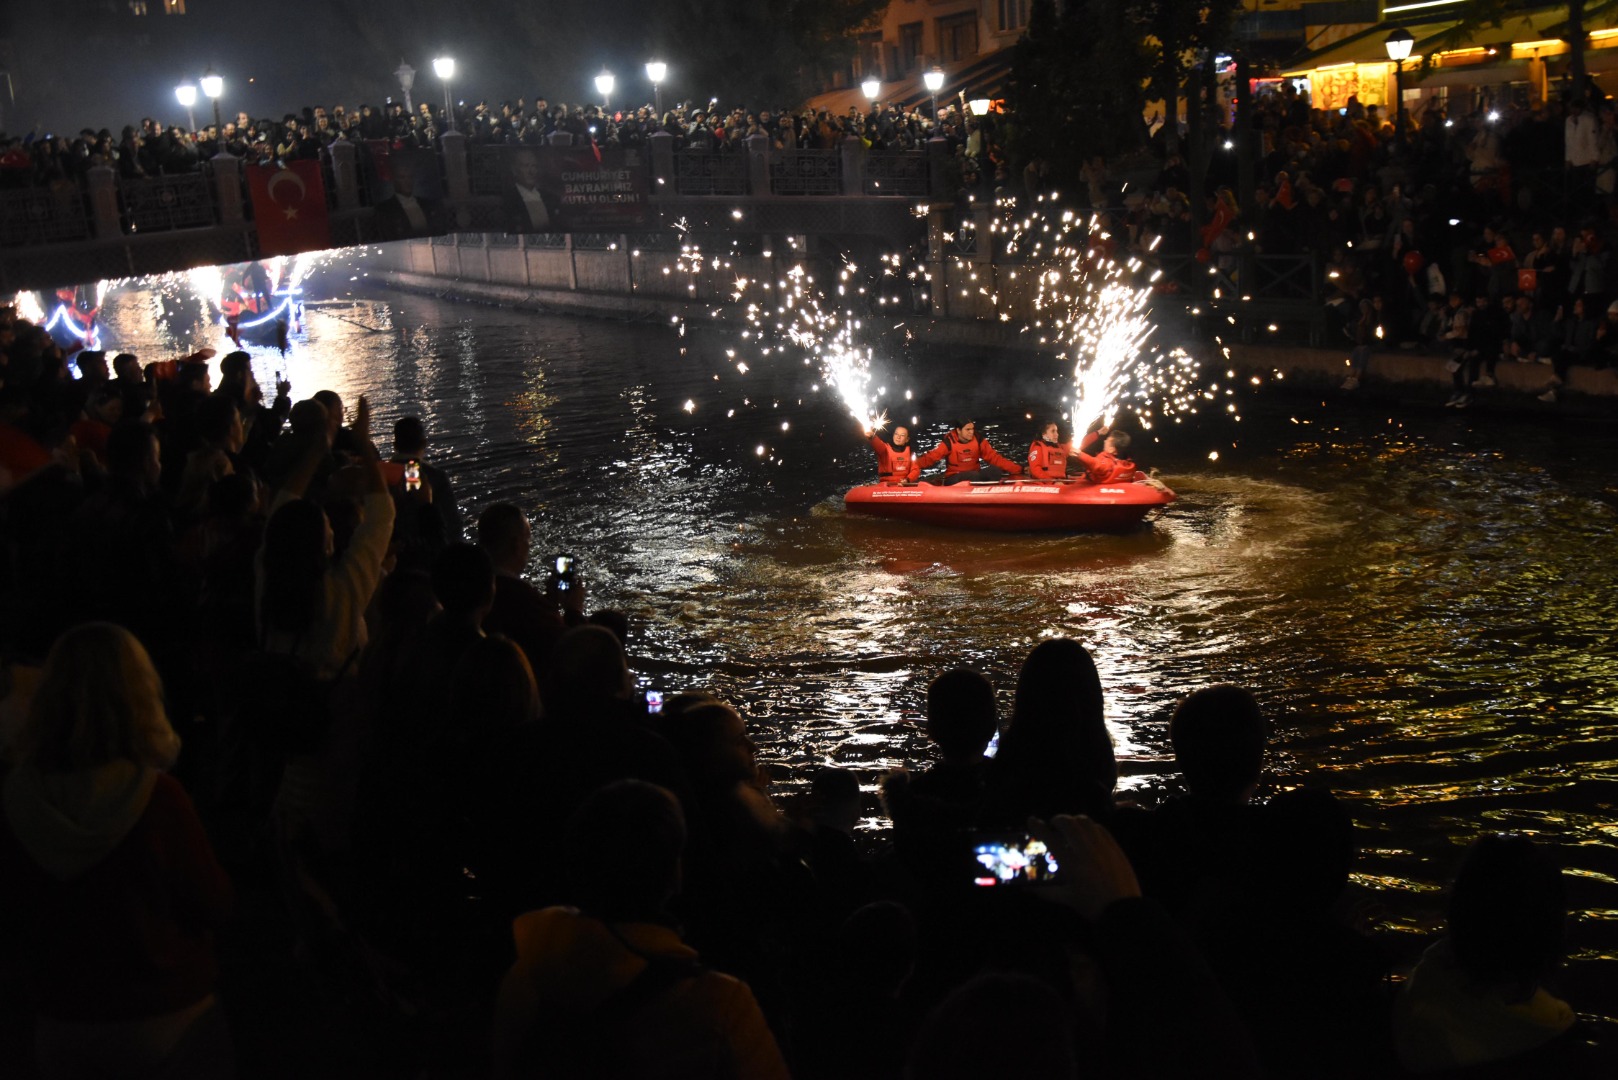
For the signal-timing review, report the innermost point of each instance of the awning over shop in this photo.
(1507, 71)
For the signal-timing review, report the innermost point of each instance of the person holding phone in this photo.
(410, 450)
(535, 620)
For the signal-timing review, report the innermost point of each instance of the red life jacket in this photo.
(1103, 468)
(959, 456)
(894, 464)
(1047, 462)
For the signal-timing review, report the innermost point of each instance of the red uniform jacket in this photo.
(895, 464)
(1048, 461)
(961, 456)
(1105, 468)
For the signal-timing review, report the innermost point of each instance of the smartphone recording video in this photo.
(412, 476)
(654, 702)
(1012, 860)
(563, 573)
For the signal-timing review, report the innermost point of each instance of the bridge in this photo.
(117, 228)
(869, 202)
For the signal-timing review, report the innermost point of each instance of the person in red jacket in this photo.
(964, 456)
(1048, 455)
(895, 456)
(1107, 467)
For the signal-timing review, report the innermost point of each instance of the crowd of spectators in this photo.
(1482, 235)
(152, 149)
(297, 780)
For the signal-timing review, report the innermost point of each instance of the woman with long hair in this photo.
(1055, 755)
(110, 887)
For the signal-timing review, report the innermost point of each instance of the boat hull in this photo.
(1015, 506)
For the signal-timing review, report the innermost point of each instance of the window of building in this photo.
(137, 7)
(174, 7)
(958, 37)
(1013, 14)
(909, 47)
(868, 59)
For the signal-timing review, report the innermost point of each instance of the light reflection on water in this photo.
(1425, 603)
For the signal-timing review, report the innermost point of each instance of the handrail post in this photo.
(104, 202)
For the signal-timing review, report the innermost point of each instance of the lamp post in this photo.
(872, 89)
(213, 85)
(407, 78)
(604, 83)
(657, 71)
(934, 81)
(444, 68)
(979, 106)
(1398, 45)
(186, 95)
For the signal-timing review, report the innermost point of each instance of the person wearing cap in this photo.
(967, 458)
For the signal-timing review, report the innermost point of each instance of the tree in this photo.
(1178, 33)
(763, 55)
(1075, 86)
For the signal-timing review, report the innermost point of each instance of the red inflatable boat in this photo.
(1016, 505)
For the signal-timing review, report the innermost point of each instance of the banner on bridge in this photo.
(571, 189)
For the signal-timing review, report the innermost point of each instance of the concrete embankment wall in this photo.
(657, 286)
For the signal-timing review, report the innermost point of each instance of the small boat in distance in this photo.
(1016, 505)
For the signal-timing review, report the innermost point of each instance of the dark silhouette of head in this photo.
(588, 675)
(409, 437)
(1218, 734)
(961, 714)
(463, 581)
(1508, 911)
(622, 851)
(1057, 721)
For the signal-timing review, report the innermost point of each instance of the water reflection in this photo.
(1425, 603)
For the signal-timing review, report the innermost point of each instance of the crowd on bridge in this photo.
(300, 774)
(151, 148)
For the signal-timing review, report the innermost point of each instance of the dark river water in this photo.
(1424, 601)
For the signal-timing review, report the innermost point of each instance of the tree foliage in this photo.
(1076, 85)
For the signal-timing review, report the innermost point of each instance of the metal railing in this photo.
(42, 216)
(162, 203)
(703, 172)
(806, 172)
(901, 173)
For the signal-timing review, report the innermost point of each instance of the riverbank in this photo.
(1394, 373)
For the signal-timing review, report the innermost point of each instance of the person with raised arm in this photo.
(895, 455)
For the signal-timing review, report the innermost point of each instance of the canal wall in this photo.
(635, 285)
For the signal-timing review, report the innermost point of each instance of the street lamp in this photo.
(186, 94)
(873, 89)
(407, 78)
(934, 81)
(444, 68)
(657, 71)
(979, 106)
(604, 83)
(213, 85)
(1398, 45)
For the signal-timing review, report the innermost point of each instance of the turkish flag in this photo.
(289, 205)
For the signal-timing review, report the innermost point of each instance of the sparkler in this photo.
(830, 339)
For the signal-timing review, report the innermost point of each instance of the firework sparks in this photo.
(829, 339)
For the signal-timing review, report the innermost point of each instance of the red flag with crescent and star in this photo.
(289, 206)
